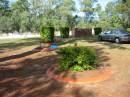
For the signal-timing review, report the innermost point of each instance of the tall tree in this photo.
(66, 11)
(110, 19)
(90, 8)
(4, 7)
(123, 7)
(21, 15)
(30, 15)
(5, 15)
(104, 21)
(114, 16)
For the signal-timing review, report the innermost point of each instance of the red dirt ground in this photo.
(85, 77)
(23, 74)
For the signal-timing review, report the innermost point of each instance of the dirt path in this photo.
(26, 76)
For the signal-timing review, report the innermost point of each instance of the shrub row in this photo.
(77, 58)
(47, 33)
(64, 31)
(97, 31)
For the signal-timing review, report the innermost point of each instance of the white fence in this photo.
(24, 35)
(17, 35)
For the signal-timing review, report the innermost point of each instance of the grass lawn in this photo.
(21, 43)
(18, 43)
(24, 73)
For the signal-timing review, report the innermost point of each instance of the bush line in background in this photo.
(64, 32)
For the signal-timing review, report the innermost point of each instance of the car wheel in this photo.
(100, 38)
(117, 40)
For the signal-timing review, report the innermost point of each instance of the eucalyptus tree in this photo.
(30, 15)
(90, 8)
(35, 13)
(20, 15)
(114, 17)
(123, 8)
(5, 14)
(4, 7)
(59, 13)
(66, 11)
(110, 18)
(5, 24)
(103, 21)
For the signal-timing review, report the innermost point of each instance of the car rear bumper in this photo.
(125, 39)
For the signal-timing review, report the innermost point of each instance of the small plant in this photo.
(64, 31)
(77, 58)
(47, 34)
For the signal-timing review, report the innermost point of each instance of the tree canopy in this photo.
(30, 15)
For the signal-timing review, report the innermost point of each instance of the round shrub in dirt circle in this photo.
(64, 31)
(77, 58)
(47, 34)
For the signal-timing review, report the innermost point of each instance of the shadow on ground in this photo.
(94, 39)
(115, 46)
(18, 56)
(74, 40)
(30, 79)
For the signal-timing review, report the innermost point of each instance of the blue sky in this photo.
(103, 3)
(12, 0)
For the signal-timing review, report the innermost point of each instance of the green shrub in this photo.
(77, 68)
(64, 31)
(77, 58)
(128, 29)
(97, 31)
(47, 34)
